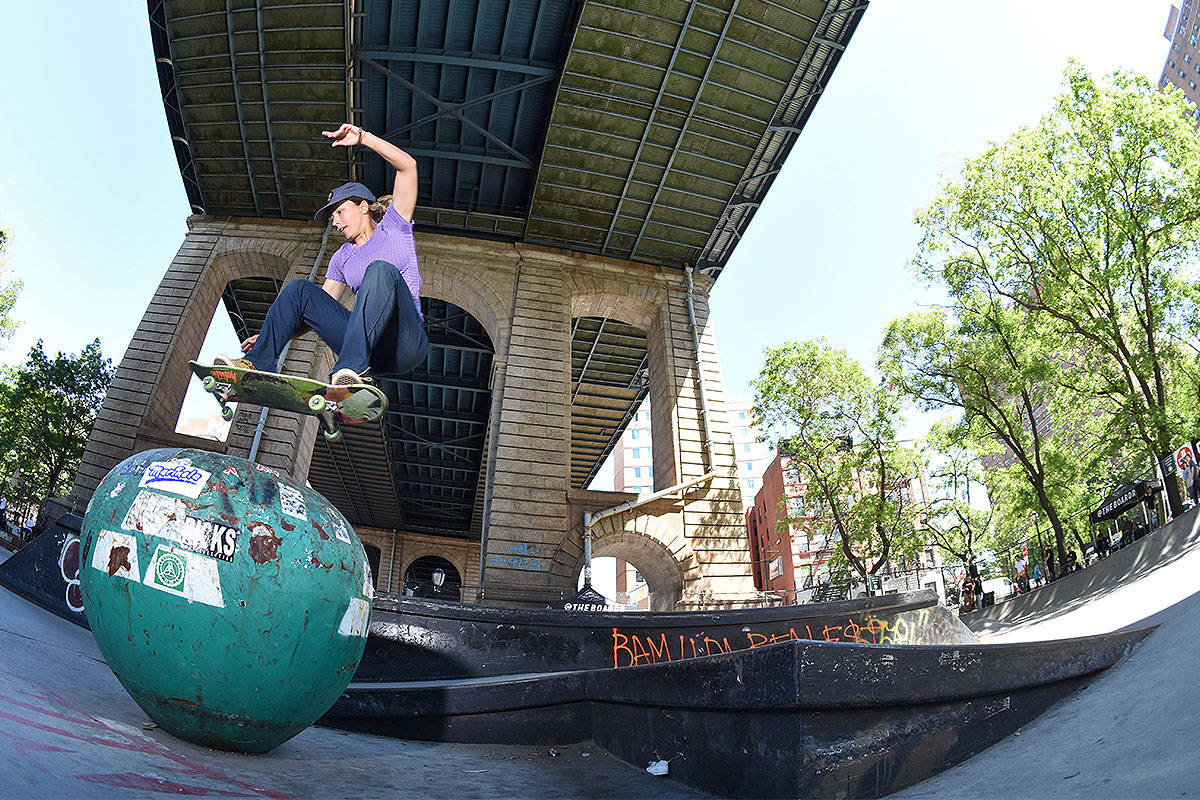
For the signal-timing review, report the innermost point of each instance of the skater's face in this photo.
(353, 219)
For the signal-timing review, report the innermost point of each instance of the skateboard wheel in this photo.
(210, 383)
(333, 435)
(226, 413)
(317, 402)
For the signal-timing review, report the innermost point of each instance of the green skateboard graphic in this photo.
(333, 405)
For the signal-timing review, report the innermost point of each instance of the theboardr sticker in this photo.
(175, 477)
(354, 621)
(185, 574)
(116, 554)
(292, 501)
(167, 517)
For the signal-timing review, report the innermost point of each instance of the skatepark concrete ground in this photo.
(68, 729)
(1133, 732)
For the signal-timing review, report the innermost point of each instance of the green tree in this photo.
(1088, 222)
(961, 524)
(9, 289)
(990, 364)
(47, 409)
(838, 429)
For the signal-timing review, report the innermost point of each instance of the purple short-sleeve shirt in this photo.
(392, 242)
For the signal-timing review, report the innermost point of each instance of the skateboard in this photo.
(333, 405)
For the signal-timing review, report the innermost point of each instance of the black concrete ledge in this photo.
(416, 639)
(796, 718)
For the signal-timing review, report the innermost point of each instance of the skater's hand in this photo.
(346, 135)
(248, 345)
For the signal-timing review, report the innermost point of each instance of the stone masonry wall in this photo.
(526, 298)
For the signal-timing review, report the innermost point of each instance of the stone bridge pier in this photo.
(690, 544)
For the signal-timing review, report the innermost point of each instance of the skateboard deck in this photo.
(333, 405)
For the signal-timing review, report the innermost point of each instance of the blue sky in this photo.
(91, 194)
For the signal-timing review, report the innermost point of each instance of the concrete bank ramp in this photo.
(1133, 731)
(1126, 589)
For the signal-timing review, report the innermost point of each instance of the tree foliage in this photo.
(47, 409)
(1085, 228)
(959, 523)
(838, 429)
(9, 289)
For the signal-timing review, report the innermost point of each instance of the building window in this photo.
(1181, 73)
(637, 453)
(746, 448)
(637, 472)
(749, 466)
(744, 431)
(741, 415)
(1187, 58)
(750, 484)
(634, 434)
(1192, 84)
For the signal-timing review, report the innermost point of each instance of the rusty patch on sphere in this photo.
(118, 559)
(264, 544)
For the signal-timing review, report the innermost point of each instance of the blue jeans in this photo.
(381, 335)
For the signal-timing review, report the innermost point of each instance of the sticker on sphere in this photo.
(116, 554)
(168, 518)
(354, 621)
(175, 477)
(184, 574)
(292, 502)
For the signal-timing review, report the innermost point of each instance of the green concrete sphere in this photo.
(230, 601)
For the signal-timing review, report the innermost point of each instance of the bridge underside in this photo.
(575, 159)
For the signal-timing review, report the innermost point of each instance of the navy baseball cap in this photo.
(341, 194)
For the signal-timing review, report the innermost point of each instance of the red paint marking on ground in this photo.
(29, 744)
(134, 743)
(47, 712)
(59, 731)
(145, 783)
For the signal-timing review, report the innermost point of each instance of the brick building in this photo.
(790, 546)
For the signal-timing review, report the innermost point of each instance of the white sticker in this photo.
(175, 477)
(292, 502)
(116, 554)
(354, 621)
(187, 575)
(120, 487)
(167, 517)
(340, 533)
(368, 589)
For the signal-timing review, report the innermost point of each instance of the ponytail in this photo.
(380, 206)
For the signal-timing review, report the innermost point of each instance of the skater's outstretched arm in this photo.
(404, 191)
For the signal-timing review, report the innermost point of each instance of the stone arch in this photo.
(643, 306)
(193, 325)
(653, 546)
(457, 560)
(590, 300)
(463, 284)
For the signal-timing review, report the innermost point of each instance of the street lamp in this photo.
(439, 577)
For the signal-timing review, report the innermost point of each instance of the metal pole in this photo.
(587, 549)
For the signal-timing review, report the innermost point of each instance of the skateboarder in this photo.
(384, 333)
